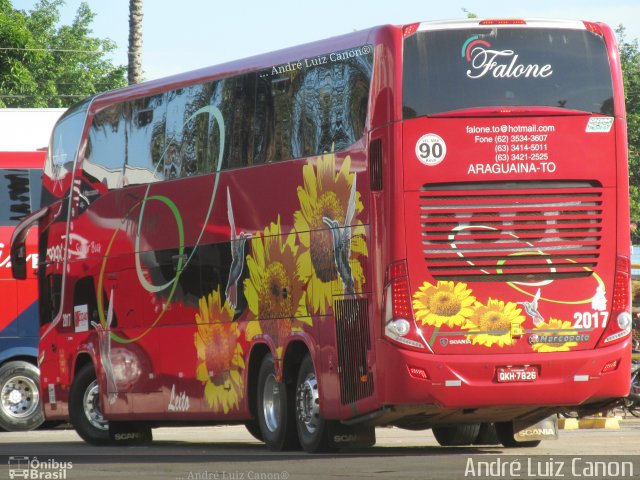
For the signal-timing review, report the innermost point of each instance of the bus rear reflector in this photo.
(503, 21)
(611, 366)
(417, 372)
(619, 326)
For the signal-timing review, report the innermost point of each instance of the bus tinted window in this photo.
(35, 182)
(15, 199)
(448, 70)
(108, 144)
(275, 114)
(319, 104)
(145, 139)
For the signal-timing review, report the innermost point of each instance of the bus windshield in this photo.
(64, 143)
(458, 69)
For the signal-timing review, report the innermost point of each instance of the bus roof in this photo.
(236, 67)
(504, 22)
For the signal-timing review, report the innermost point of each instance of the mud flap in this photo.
(348, 436)
(546, 429)
(129, 433)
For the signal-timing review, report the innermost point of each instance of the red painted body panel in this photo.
(472, 384)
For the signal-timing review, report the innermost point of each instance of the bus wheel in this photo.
(85, 410)
(275, 409)
(456, 435)
(254, 429)
(20, 407)
(313, 430)
(487, 435)
(505, 433)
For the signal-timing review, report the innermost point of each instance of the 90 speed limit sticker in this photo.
(431, 149)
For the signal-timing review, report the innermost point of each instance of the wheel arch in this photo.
(258, 352)
(294, 353)
(83, 358)
(23, 356)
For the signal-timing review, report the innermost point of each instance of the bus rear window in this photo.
(449, 70)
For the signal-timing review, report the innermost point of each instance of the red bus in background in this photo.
(25, 133)
(422, 226)
(20, 409)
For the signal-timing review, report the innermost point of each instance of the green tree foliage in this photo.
(630, 61)
(469, 14)
(44, 64)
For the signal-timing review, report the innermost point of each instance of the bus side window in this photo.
(263, 128)
(237, 107)
(17, 203)
(281, 93)
(107, 146)
(146, 138)
(35, 183)
(334, 104)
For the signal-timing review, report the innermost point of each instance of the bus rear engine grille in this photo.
(354, 343)
(526, 232)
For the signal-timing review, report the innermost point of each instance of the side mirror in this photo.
(19, 261)
(18, 243)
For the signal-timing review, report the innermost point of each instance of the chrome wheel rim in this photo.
(91, 405)
(271, 403)
(20, 397)
(308, 403)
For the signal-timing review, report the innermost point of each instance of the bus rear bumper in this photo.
(471, 381)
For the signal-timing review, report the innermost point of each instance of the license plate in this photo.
(517, 374)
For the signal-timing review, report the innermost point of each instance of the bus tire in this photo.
(487, 435)
(276, 409)
(20, 403)
(505, 433)
(85, 410)
(456, 435)
(313, 430)
(254, 429)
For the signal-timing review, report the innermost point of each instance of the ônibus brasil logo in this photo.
(499, 63)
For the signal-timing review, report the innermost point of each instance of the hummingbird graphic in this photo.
(104, 337)
(532, 309)
(342, 241)
(237, 257)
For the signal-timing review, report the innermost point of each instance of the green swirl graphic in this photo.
(182, 264)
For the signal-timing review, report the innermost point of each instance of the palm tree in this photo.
(135, 42)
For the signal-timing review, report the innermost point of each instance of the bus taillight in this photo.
(410, 29)
(503, 21)
(593, 27)
(399, 324)
(620, 325)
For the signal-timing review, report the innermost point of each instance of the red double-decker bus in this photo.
(423, 226)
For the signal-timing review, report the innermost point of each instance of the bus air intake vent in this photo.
(520, 231)
(352, 328)
(375, 164)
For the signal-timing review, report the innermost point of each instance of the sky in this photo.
(182, 35)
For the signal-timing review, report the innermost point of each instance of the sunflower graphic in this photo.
(220, 355)
(554, 327)
(491, 324)
(326, 195)
(445, 303)
(274, 291)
